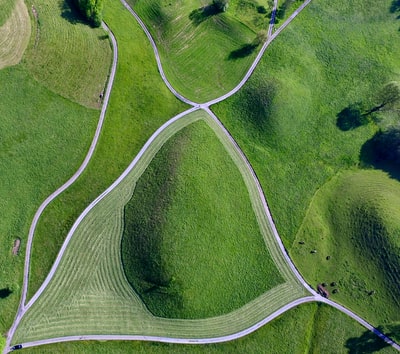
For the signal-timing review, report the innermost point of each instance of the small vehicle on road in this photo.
(17, 346)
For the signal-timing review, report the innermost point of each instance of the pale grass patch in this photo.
(14, 36)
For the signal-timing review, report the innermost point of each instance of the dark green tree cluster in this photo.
(221, 5)
(91, 9)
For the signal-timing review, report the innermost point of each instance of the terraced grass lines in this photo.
(197, 46)
(66, 55)
(309, 328)
(355, 220)
(89, 293)
(14, 33)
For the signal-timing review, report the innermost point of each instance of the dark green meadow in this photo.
(192, 247)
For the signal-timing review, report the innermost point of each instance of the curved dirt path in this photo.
(22, 308)
(205, 106)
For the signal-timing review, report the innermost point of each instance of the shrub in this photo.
(91, 10)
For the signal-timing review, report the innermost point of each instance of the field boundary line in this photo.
(210, 340)
(157, 55)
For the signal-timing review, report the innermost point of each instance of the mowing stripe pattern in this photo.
(89, 293)
(14, 35)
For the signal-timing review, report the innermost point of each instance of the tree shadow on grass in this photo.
(368, 342)
(351, 117)
(242, 52)
(203, 13)
(70, 13)
(6, 292)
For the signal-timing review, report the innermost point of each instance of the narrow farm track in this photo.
(14, 35)
(50, 198)
(224, 135)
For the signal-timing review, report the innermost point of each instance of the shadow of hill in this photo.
(368, 342)
(200, 15)
(379, 153)
(6, 292)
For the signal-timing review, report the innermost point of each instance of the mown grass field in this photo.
(139, 104)
(44, 138)
(308, 328)
(89, 293)
(66, 55)
(354, 219)
(285, 117)
(14, 34)
(192, 247)
(203, 52)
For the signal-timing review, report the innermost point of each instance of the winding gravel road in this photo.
(195, 106)
(55, 194)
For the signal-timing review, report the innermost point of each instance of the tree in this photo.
(387, 97)
(91, 10)
(221, 5)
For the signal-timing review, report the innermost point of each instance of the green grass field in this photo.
(285, 117)
(14, 34)
(7, 6)
(306, 329)
(139, 104)
(38, 153)
(192, 247)
(354, 219)
(203, 53)
(66, 55)
(316, 68)
(89, 292)
(44, 138)
(284, 10)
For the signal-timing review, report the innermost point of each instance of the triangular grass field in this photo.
(90, 293)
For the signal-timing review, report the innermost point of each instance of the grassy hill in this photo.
(139, 104)
(66, 54)
(192, 247)
(285, 117)
(355, 220)
(203, 52)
